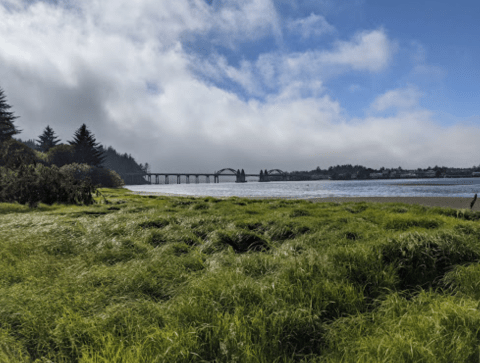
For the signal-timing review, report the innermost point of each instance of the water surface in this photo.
(438, 187)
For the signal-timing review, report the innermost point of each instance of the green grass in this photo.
(176, 279)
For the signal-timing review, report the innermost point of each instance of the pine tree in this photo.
(7, 128)
(47, 140)
(86, 149)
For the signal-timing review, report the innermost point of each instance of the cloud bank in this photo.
(123, 68)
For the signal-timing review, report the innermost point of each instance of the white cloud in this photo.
(370, 51)
(276, 71)
(403, 98)
(244, 20)
(313, 25)
(63, 68)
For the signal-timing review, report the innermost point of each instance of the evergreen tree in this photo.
(47, 140)
(7, 128)
(124, 165)
(87, 151)
(30, 143)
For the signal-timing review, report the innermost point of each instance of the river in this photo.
(438, 187)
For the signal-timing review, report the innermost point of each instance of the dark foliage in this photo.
(13, 154)
(125, 165)
(30, 143)
(7, 128)
(87, 151)
(30, 184)
(100, 177)
(61, 155)
(47, 140)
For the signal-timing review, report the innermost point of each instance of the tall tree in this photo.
(86, 149)
(7, 128)
(47, 140)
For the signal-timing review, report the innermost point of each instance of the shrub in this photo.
(61, 155)
(102, 177)
(31, 185)
(106, 178)
(13, 154)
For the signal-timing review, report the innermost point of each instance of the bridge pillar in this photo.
(157, 179)
(178, 179)
(188, 179)
(166, 179)
(150, 178)
(197, 181)
(208, 178)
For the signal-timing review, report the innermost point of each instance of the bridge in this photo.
(264, 176)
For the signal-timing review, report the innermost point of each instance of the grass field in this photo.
(177, 279)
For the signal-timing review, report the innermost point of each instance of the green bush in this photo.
(61, 155)
(13, 154)
(103, 177)
(31, 185)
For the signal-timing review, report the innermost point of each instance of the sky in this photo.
(202, 85)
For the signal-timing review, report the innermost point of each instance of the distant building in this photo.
(376, 175)
(476, 173)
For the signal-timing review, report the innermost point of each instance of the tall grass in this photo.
(174, 279)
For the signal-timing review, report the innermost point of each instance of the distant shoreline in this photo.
(447, 202)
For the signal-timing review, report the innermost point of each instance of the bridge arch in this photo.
(230, 169)
(277, 171)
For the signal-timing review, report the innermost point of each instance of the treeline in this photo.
(45, 171)
(347, 171)
(334, 172)
(123, 165)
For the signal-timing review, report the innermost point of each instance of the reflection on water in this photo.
(461, 187)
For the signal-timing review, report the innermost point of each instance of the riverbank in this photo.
(199, 279)
(446, 202)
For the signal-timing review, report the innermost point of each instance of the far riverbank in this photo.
(447, 202)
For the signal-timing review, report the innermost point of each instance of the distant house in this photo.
(476, 173)
(429, 173)
(376, 175)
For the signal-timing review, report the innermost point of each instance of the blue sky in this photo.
(193, 85)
